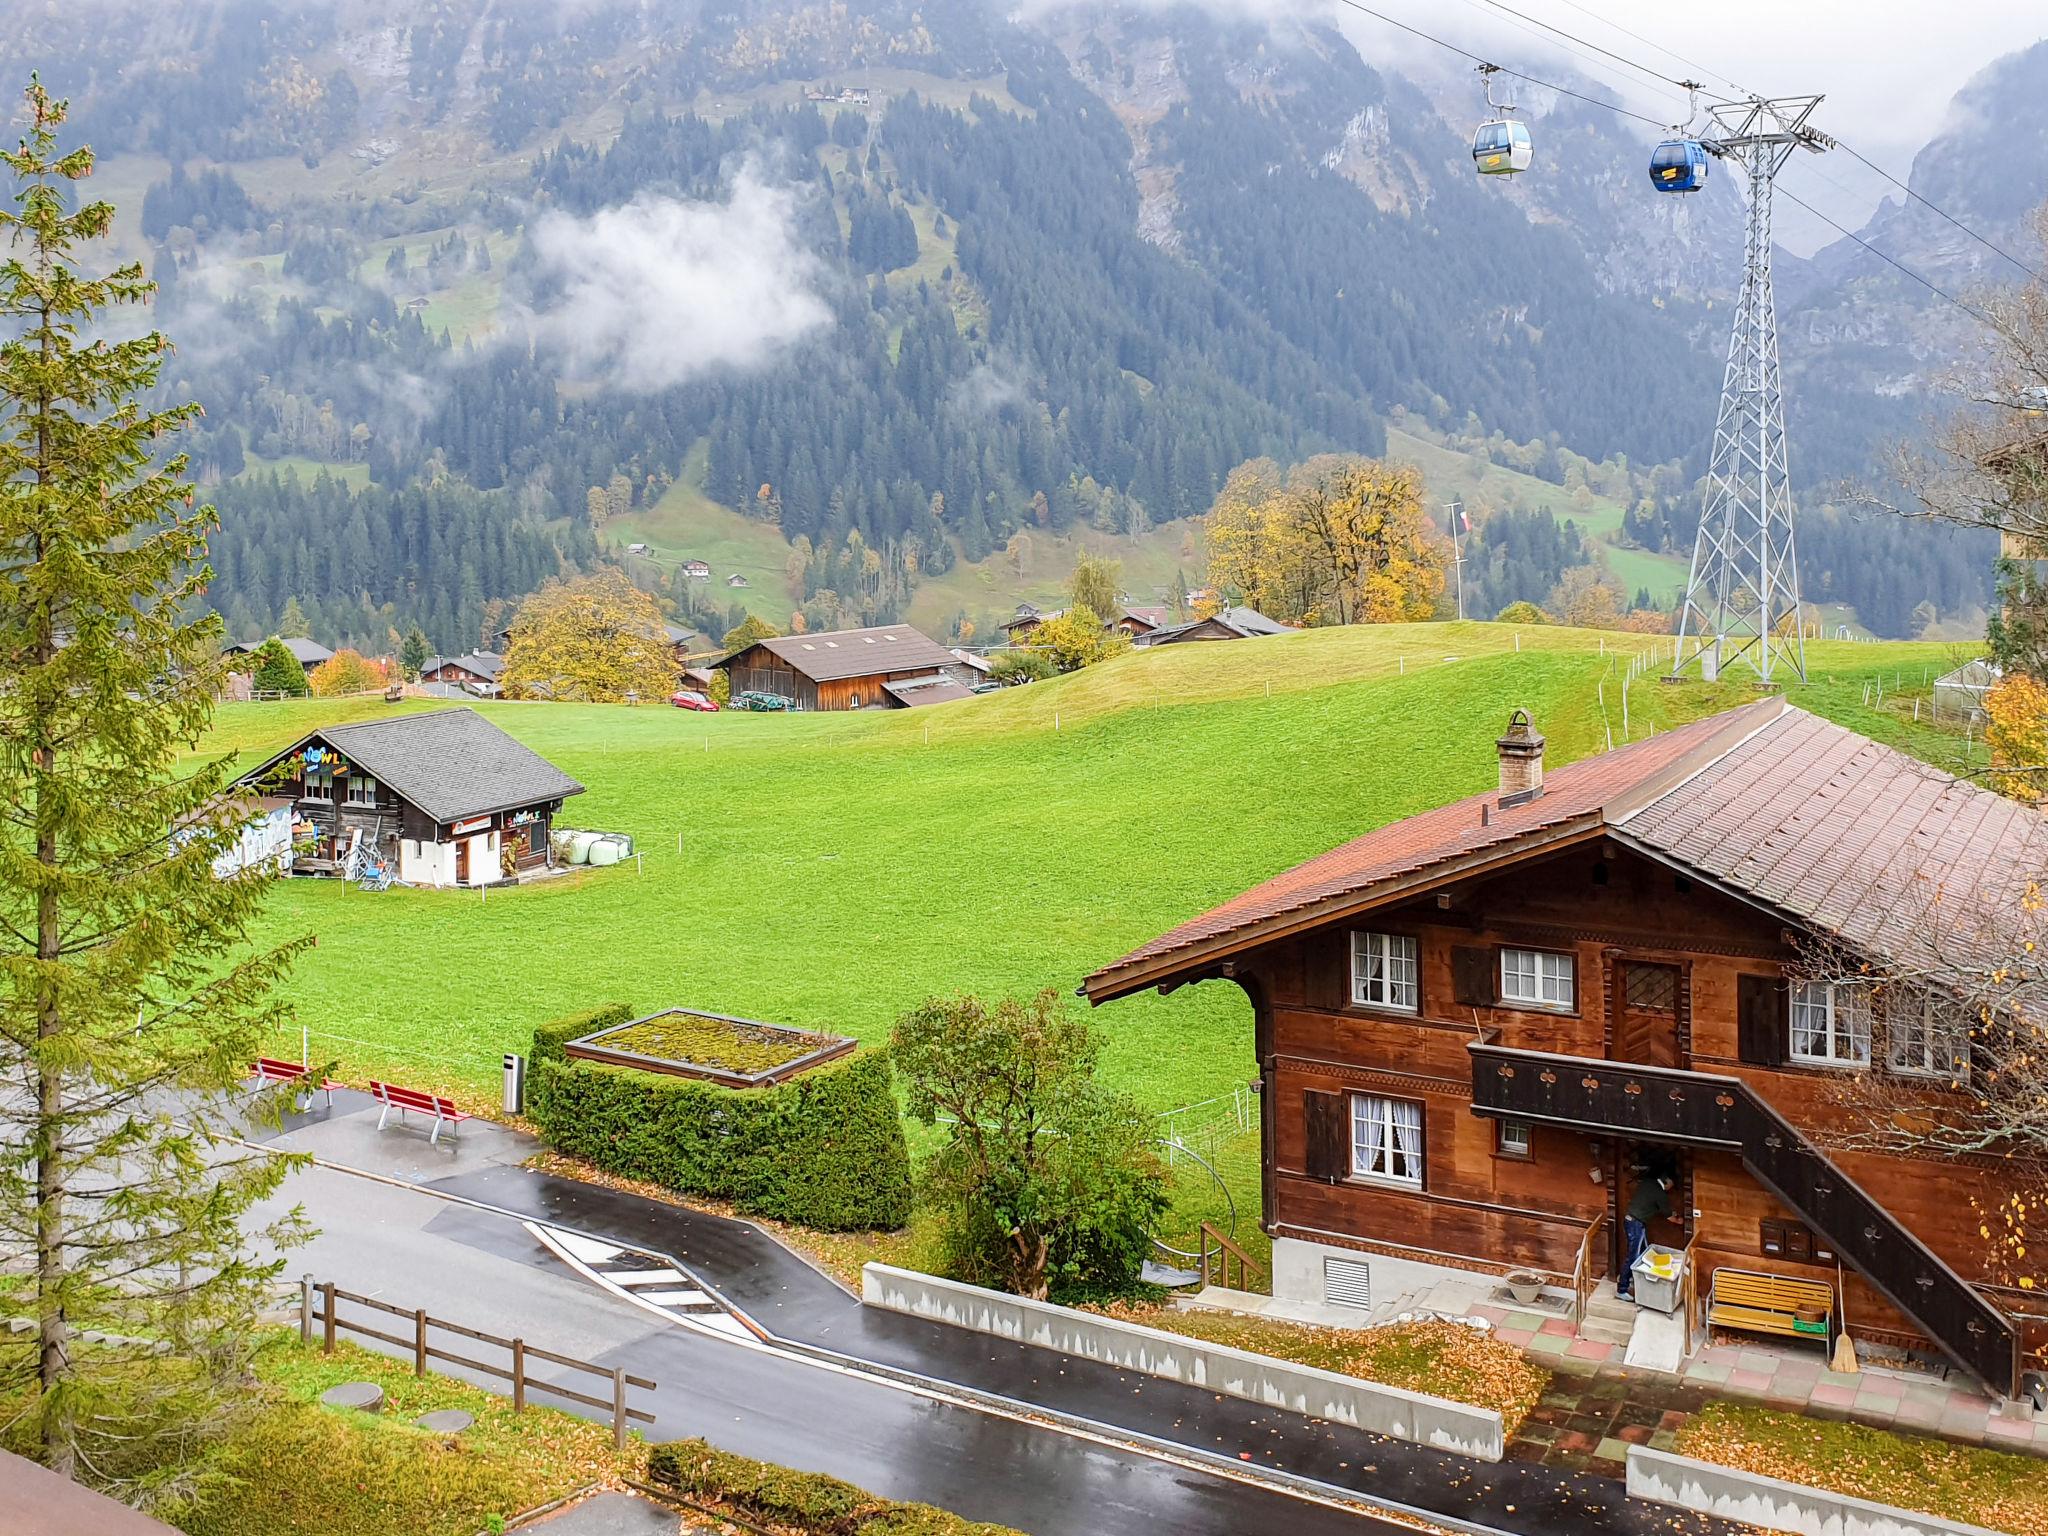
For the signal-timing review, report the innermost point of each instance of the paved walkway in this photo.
(796, 1303)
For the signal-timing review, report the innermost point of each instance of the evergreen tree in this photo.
(129, 1010)
(278, 671)
(413, 654)
(291, 624)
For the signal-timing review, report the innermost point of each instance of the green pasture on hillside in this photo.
(828, 871)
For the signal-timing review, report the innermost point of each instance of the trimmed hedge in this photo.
(823, 1150)
(809, 1501)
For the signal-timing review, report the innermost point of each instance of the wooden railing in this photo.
(318, 1305)
(1583, 1278)
(1217, 1247)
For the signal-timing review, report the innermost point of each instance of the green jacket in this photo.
(1651, 1202)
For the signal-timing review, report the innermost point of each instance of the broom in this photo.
(1844, 1359)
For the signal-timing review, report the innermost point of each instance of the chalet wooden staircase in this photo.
(1711, 1110)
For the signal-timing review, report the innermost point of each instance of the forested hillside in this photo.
(438, 275)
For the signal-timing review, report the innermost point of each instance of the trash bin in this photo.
(1657, 1274)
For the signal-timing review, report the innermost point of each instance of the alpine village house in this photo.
(1478, 1028)
(889, 666)
(448, 796)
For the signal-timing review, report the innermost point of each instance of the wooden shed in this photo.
(842, 668)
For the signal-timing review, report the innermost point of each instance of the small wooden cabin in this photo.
(843, 668)
(1479, 1028)
(1224, 624)
(475, 673)
(443, 796)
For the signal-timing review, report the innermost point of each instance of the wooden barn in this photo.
(1224, 624)
(475, 674)
(1482, 1031)
(445, 797)
(842, 668)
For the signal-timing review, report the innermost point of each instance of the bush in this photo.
(823, 1150)
(1523, 612)
(278, 670)
(807, 1501)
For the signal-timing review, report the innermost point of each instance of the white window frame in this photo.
(1386, 1140)
(1833, 1020)
(1505, 1130)
(1915, 1045)
(1532, 978)
(355, 780)
(321, 774)
(1398, 957)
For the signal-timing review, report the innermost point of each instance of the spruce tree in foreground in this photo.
(130, 1002)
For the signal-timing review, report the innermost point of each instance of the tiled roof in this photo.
(1806, 817)
(451, 763)
(840, 653)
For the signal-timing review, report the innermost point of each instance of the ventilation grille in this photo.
(1347, 1282)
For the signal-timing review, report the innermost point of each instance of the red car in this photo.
(690, 698)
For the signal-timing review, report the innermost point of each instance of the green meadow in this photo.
(829, 871)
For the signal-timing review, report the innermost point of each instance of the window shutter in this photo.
(1760, 1020)
(1327, 1117)
(1472, 977)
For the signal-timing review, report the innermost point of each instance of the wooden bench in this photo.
(402, 1099)
(1758, 1303)
(268, 1070)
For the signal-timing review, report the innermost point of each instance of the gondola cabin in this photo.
(1678, 165)
(1502, 147)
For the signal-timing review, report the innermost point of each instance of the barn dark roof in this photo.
(842, 653)
(451, 763)
(1804, 817)
(486, 664)
(1243, 623)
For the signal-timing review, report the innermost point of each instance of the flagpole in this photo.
(1457, 509)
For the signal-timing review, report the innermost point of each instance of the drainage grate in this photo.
(1347, 1282)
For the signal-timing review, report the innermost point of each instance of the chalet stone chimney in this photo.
(1521, 761)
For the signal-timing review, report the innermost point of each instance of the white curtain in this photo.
(1408, 1136)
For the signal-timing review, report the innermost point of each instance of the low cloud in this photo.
(659, 291)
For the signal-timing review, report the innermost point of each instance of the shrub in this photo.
(807, 1501)
(1008, 667)
(823, 1150)
(1523, 612)
(278, 670)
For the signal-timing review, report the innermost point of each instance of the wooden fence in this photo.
(318, 1306)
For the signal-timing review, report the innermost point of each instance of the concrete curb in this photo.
(1749, 1498)
(1435, 1422)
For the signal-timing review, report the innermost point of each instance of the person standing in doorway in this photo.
(1651, 1202)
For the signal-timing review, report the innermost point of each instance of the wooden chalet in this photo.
(1224, 624)
(1137, 622)
(844, 668)
(441, 796)
(1476, 1028)
(476, 674)
(308, 653)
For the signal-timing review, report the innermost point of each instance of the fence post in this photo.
(305, 1309)
(519, 1375)
(419, 1341)
(618, 1407)
(327, 1317)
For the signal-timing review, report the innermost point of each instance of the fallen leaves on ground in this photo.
(1438, 1358)
(1984, 1487)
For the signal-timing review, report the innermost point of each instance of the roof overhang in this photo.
(1175, 966)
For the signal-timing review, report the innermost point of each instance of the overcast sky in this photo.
(1887, 67)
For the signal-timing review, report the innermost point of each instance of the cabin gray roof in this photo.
(1244, 622)
(842, 653)
(308, 653)
(451, 763)
(487, 664)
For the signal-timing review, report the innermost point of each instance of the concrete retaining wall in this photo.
(1432, 1421)
(1766, 1502)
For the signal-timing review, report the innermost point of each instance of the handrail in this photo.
(1582, 1273)
(1225, 1251)
(1716, 1110)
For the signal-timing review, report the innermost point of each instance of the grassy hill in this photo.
(831, 870)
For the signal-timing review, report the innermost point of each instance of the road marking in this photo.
(644, 1277)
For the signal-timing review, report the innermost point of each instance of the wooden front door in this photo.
(462, 861)
(1645, 1026)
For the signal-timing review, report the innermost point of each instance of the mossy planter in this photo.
(735, 1053)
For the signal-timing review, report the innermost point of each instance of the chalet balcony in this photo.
(1706, 1109)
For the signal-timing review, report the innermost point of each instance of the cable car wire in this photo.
(1735, 86)
(1930, 203)
(1542, 33)
(1931, 286)
(1467, 53)
(1509, 10)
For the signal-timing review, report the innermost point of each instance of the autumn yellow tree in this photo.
(597, 638)
(344, 672)
(1337, 541)
(2017, 734)
(1584, 599)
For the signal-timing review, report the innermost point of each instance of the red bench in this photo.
(402, 1099)
(268, 1069)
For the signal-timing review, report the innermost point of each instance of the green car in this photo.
(755, 699)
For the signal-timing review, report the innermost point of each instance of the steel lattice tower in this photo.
(1742, 596)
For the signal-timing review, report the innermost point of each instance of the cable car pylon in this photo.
(1742, 593)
